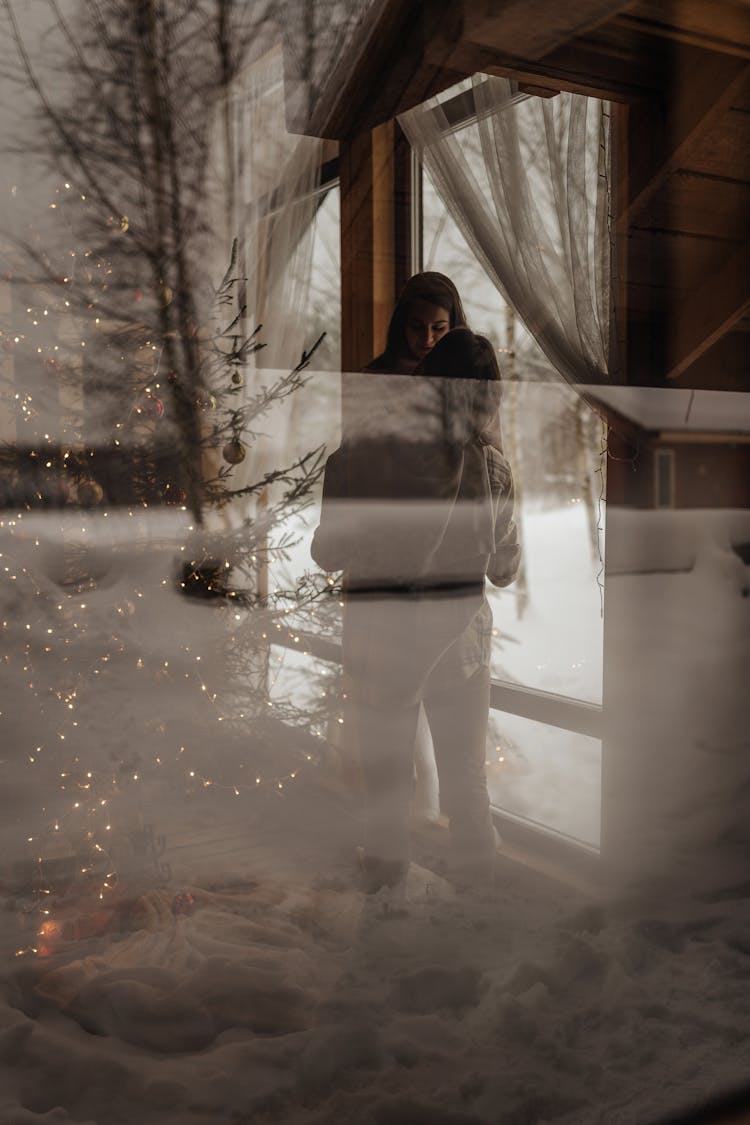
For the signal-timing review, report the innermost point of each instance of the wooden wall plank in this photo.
(533, 28)
(375, 244)
(675, 262)
(580, 67)
(355, 178)
(383, 232)
(700, 318)
(724, 150)
(721, 27)
(693, 203)
(703, 86)
(724, 366)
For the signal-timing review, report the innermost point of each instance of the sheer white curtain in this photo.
(526, 181)
(268, 196)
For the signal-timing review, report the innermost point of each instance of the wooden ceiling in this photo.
(678, 74)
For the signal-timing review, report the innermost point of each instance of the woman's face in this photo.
(425, 325)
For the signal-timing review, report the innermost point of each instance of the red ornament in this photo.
(183, 903)
(138, 295)
(150, 405)
(173, 495)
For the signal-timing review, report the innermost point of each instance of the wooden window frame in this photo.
(668, 456)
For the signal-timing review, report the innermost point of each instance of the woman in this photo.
(429, 306)
(417, 510)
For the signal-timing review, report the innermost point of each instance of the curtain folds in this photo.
(272, 200)
(526, 181)
(267, 197)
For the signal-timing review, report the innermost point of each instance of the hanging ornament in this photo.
(138, 295)
(150, 406)
(237, 378)
(174, 495)
(90, 493)
(234, 452)
(166, 295)
(124, 223)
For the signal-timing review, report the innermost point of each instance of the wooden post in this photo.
(375, 182)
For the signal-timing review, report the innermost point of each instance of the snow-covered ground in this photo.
(254, 982)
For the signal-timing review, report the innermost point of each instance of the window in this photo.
(548, 625)
(664, 478)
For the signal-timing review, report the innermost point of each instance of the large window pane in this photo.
(548, 626)
(549, 623)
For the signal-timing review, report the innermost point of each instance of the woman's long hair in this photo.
(472, 391)
(435, 289)
(461, 354)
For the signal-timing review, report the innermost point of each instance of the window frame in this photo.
(663, 457)
(550, 708)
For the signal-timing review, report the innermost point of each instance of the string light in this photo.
(74, 617)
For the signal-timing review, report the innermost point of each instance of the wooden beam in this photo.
(407, 205)
(383, 232)
(580, 68)
(355, 179)
(620, 306)
(697, 437)
(407, 50)
(547, 707)
(703, 86)
(707, 313)
(724, 366)
(534, 90)
(531, 29)
(707, 24)
(374, 174)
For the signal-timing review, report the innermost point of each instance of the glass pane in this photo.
(548, 626)
(546, 775)
(323, 312)
(549, 623)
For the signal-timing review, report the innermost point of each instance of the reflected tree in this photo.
(126, 98)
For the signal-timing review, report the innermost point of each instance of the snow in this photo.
(280, 994)
(678, 408)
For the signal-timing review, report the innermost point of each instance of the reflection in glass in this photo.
(546, 775)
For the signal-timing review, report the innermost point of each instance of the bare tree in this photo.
(125, 113)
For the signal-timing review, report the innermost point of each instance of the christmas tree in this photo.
(141, 624)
